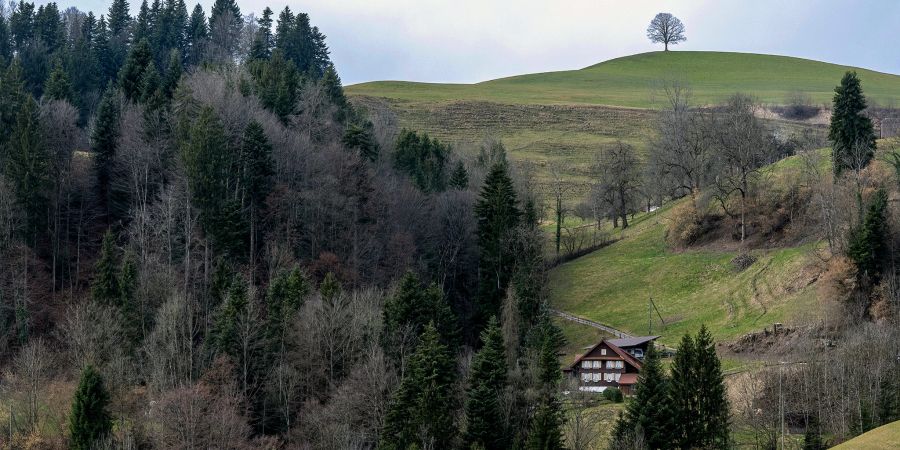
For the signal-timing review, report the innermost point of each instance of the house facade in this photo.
(608, 365)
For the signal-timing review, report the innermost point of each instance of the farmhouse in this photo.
(611, 363)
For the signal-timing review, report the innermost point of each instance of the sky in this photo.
(465, 41)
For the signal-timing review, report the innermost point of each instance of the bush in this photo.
(684, 228)
(614, 395)
(798, 106)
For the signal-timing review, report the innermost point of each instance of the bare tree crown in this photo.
(667, 29)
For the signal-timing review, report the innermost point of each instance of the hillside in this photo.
(628, 82)
(882, 438)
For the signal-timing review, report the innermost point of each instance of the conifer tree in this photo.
(225, 329)
(131, 77)
(487, 379)
(812, 439)
(28, 168)
(256, 175)
(5, 49)
(546, 426)
(142, 24)
(105, 287)
(104, 137)
(850, 129)
(712, 401)
(411, 308)
(498, 215)
(361, 139)
(58, 86)
(331, 83)
(422, 410)
(286, 294)
(118, 17)
(868, 247)
(89, 420)
(127, 301)
(225, 24)
(197, 36)
(683, 388)
(423, 159)
(649, 411)
(174, 70)
(263, 41)
(459, 178)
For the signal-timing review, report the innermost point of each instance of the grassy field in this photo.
(690, 288)
(882, 438)
(629, 81)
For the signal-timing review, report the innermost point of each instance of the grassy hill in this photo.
(882, 438)
(629, 81)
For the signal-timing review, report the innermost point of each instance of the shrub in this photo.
(685, 227)
(614, 395)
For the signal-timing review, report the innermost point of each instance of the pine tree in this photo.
(712, 400)
(498, 215)
(459, 178)
(487, 379)
(850, 128)
(867, 247)
(131, 77)
(684, 386)
(546, 426)
(105, 287)
(256, 175)
(649, 411)
(104, 137)
(89, 420)
(142, 24)
(423, 408)
(58, 86)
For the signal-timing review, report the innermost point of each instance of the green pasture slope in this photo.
(629, 82)
(882, 438)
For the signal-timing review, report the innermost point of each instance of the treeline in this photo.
(203, 235)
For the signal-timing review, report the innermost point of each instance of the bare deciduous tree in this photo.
(618, 174)
(666, 29)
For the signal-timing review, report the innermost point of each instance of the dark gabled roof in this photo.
(632, 341)
(622, 353)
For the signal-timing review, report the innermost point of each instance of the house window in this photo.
(603, 351)
(585, 377)
(618, 375)
(610, 364)
(585, 364)
(620, 364)
(596, 376)
(609, 376)
(598, 364)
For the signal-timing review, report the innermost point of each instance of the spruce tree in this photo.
(27, 166)
(546, 426)
(118, 17)
(424, 160)
(89, 419)
(684, 386)
(459, 178)
(126, 300)
(142, 24)
(225, 331)
(361, 139)
(423, 409)
(58, 86)
(131, 77)
(487, 379)
(812, 439)
(410, 308)
(286, 294)
(712, 399)
(174, 70)
(263, 41)
(498, 215)
(850, 128)
(197, 37)
(5, 49)
(331, 83)
(256, 176)
(868, 242)
(649, 411)
(104, 136)
(105, 287)
(225, 24)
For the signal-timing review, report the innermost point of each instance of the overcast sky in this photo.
(477, 40)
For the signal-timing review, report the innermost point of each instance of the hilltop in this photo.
(629, 81)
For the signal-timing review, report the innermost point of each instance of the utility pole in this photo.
(650, 316)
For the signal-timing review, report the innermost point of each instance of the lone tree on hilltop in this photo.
(667, 29)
